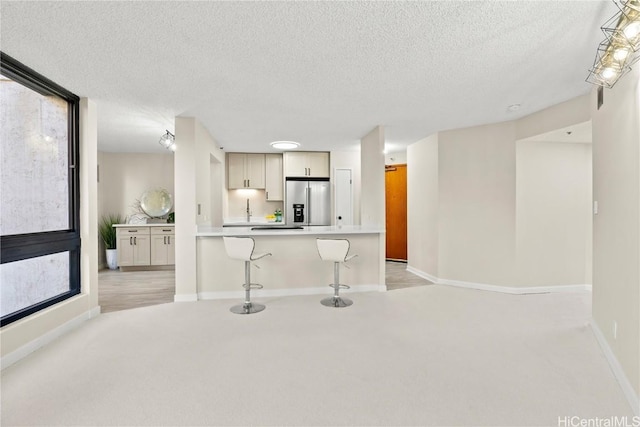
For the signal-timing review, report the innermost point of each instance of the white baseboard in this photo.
(422, 274)
(11, 358)
(503, 289)
(263, 293)
(185, 297)
(632, 397)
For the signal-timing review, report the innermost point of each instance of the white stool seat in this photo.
(241, 248)
(336, 251)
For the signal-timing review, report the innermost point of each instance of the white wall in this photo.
(209, 167)
(476, 168)
(423, 205)
(471, 212)
(396, 158)
(32, 332)
(553, 213)
(616, 227)
(372, 203)
(200, 183)
(125, 176)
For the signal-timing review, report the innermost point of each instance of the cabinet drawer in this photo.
(162, 231)
(132, 231)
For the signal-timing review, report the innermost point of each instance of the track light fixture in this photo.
(168, 141)
(621, 47)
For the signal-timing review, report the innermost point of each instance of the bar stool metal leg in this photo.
(336, 300)
(248, 307)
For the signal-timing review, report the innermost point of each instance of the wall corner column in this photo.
(185, 209)
(372, 190)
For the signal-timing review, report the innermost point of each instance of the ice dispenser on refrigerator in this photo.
(308, 201)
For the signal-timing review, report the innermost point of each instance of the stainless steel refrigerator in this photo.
(308, 201)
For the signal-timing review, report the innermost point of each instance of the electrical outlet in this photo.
(615, 330)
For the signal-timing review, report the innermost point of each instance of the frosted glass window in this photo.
(34, 160)
(31, 281)
(40, 192)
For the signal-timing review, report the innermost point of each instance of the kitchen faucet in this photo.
(248, 212)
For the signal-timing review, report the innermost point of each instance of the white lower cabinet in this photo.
(133, 246)
(140, 246)
(163, 246)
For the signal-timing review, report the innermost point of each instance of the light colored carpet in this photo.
(429, 355)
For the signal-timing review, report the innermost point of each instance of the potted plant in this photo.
(108, 236)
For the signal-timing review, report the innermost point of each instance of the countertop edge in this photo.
(144, 225)
(307, 231)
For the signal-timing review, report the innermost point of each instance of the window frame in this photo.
(18, 247)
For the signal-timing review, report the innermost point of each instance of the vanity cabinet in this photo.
(145, 245)
(306, 164)
(133, 246)
(163, 246)
(245, 170)
(273, 178)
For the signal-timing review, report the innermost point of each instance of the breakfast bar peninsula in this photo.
(295, 268)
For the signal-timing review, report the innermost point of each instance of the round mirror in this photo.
(156, 203)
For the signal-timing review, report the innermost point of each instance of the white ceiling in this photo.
(321, 73)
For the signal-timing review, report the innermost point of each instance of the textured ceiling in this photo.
(321, 73)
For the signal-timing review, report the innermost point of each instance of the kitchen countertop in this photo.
(145, 225)
(316, 230)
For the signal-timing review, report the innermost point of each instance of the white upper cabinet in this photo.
(245, 170)
(306, 164)
(273, 178)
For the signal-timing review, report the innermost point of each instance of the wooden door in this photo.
(396, 211)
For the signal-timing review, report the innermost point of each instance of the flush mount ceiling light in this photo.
(168, 141)
(285, 145)
(621, 48)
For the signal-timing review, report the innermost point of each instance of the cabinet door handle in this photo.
(248, 183)
(267, 195)
(130, 240)
(164, 240)
(169, 240)
(135, 240)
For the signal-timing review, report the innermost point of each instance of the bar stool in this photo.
(242, 248)
(335, 250)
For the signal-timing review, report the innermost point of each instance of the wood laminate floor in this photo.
(397, 277)
(119, 290)
(125, 290)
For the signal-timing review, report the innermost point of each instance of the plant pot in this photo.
(112, 259)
